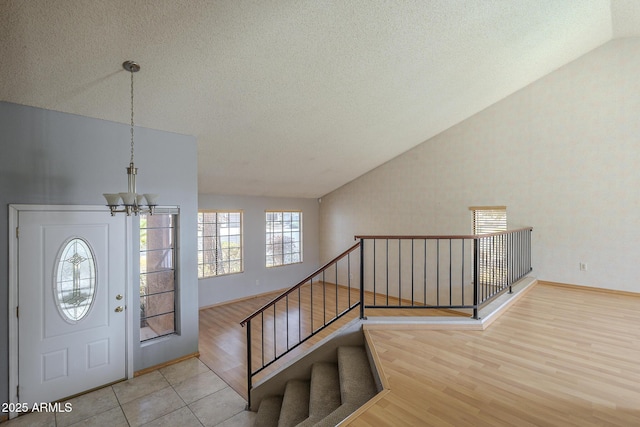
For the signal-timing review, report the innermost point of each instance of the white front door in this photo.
(71, 289)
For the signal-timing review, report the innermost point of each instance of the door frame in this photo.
(14, 210)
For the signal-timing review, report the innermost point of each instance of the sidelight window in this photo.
(157, 275)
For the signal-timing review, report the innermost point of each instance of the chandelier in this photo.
(132, 202)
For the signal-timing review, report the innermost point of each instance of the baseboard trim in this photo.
(589, 288)
(162, 365)
(241, 299)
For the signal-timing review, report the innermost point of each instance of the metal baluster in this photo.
(299, 315)
(336, 267)
(400, 272)
(349, 279)
(450, 273)
(412, 267)
(324, 300)
(438, 272)
(529, 251)
(507, 255)
(519, 237)
(362, 275)
(462, 281)
(387, 263)
(494, 266)
(425, 272)
(374, 272)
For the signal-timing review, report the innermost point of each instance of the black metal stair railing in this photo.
(302, 312)
(388, 272)
(441, 272)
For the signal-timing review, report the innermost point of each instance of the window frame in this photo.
(201, 243)
(270, 235)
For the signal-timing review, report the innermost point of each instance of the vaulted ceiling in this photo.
(292, 97)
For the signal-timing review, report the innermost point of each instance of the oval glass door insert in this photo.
(75, 280)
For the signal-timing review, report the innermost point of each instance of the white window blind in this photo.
(492, 251)
(489, 219)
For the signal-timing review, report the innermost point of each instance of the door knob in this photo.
(118, 297)
(119, 309)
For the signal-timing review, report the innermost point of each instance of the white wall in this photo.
(563, 155)
(256, 278)
(57, 158)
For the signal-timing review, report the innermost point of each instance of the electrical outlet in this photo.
(583, 266)
(257, 282)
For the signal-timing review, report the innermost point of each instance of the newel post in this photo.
(249, 382)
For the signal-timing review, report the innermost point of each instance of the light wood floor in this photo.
(222, 343)
(558, 357)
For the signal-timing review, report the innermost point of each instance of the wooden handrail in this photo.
(302, 282)
(453, 237)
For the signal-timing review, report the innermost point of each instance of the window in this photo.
(157, 275)
(284, 238)
(219, 243)
(492, 256)
(489, 219)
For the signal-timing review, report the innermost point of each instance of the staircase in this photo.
(334, 391)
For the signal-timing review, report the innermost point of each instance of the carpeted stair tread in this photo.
(295, 403)
(324, 396)
(356, 380)
(268, 412)
(325, 389)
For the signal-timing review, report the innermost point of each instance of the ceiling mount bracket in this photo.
(131, 66)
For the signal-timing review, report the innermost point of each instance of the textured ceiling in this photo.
(290, 97)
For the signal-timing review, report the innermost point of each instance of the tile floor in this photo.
(185, 394)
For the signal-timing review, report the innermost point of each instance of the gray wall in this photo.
(562, 154)
(57, 158)
(256, 278)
